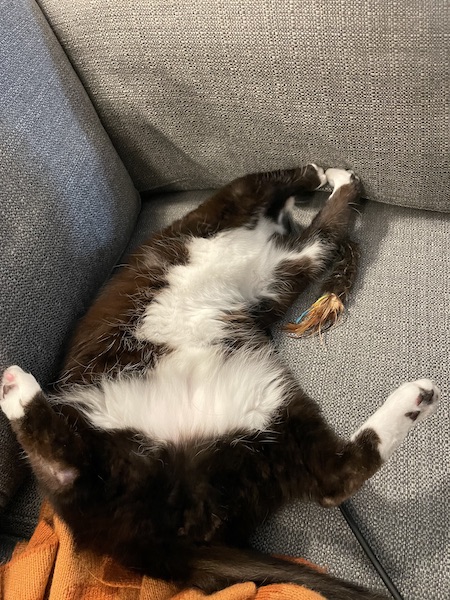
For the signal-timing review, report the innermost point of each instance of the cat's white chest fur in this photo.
(200, 393)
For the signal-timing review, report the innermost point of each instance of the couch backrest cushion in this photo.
(195, 93)
(67, 204)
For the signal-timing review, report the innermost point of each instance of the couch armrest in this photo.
(67, 205)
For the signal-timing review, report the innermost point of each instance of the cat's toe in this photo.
(339, 177)
(421, 398)
(17, 390)
(8, 382)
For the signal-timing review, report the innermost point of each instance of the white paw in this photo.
(416, 400)
(410, 403)
(321, 174)
(339, 177)
(17, 390)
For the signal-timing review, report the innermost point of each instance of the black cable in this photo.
(369, 552)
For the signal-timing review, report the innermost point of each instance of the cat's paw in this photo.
(17, 390)
(414, 400)
(317, 176)
(410, 403)
(339, 177)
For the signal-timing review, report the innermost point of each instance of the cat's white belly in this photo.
(226, 273)
(196, 393)
(199, 390)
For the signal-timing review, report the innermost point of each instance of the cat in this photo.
(175, 428)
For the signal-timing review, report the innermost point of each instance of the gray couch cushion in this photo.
(67, 205)
(196, 93)
(397, 328)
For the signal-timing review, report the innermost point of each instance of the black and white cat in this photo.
(176, 428)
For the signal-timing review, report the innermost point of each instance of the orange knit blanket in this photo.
(48, 568)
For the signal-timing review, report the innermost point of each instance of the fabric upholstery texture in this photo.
(67, 205)
(196, 93)
(397, 329)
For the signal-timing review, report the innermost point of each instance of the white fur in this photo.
(17, 390)
(338, 177)
(197, 392)
(391, 423)
(288, 206)
(315, 252)
(225, 273)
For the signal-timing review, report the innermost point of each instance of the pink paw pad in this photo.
(16, 391)
(9, 381)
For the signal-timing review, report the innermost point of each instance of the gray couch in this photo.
(117, 117)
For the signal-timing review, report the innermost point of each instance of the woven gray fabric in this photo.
(397, 329)
(18, 520)
(196, 93)
(67, 205)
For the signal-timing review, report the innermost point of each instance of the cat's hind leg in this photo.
(410, 403)
(243, 201)
(18, 390)
(323, 243)
(301, 457)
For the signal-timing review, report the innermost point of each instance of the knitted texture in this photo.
(67, 205)
(49, 567)
(195, 93)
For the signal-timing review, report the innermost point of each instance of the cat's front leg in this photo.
(407, 405)
(52, 446)
(302, 258)
(17, 390)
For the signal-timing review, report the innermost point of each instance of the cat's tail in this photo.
(217, 567)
